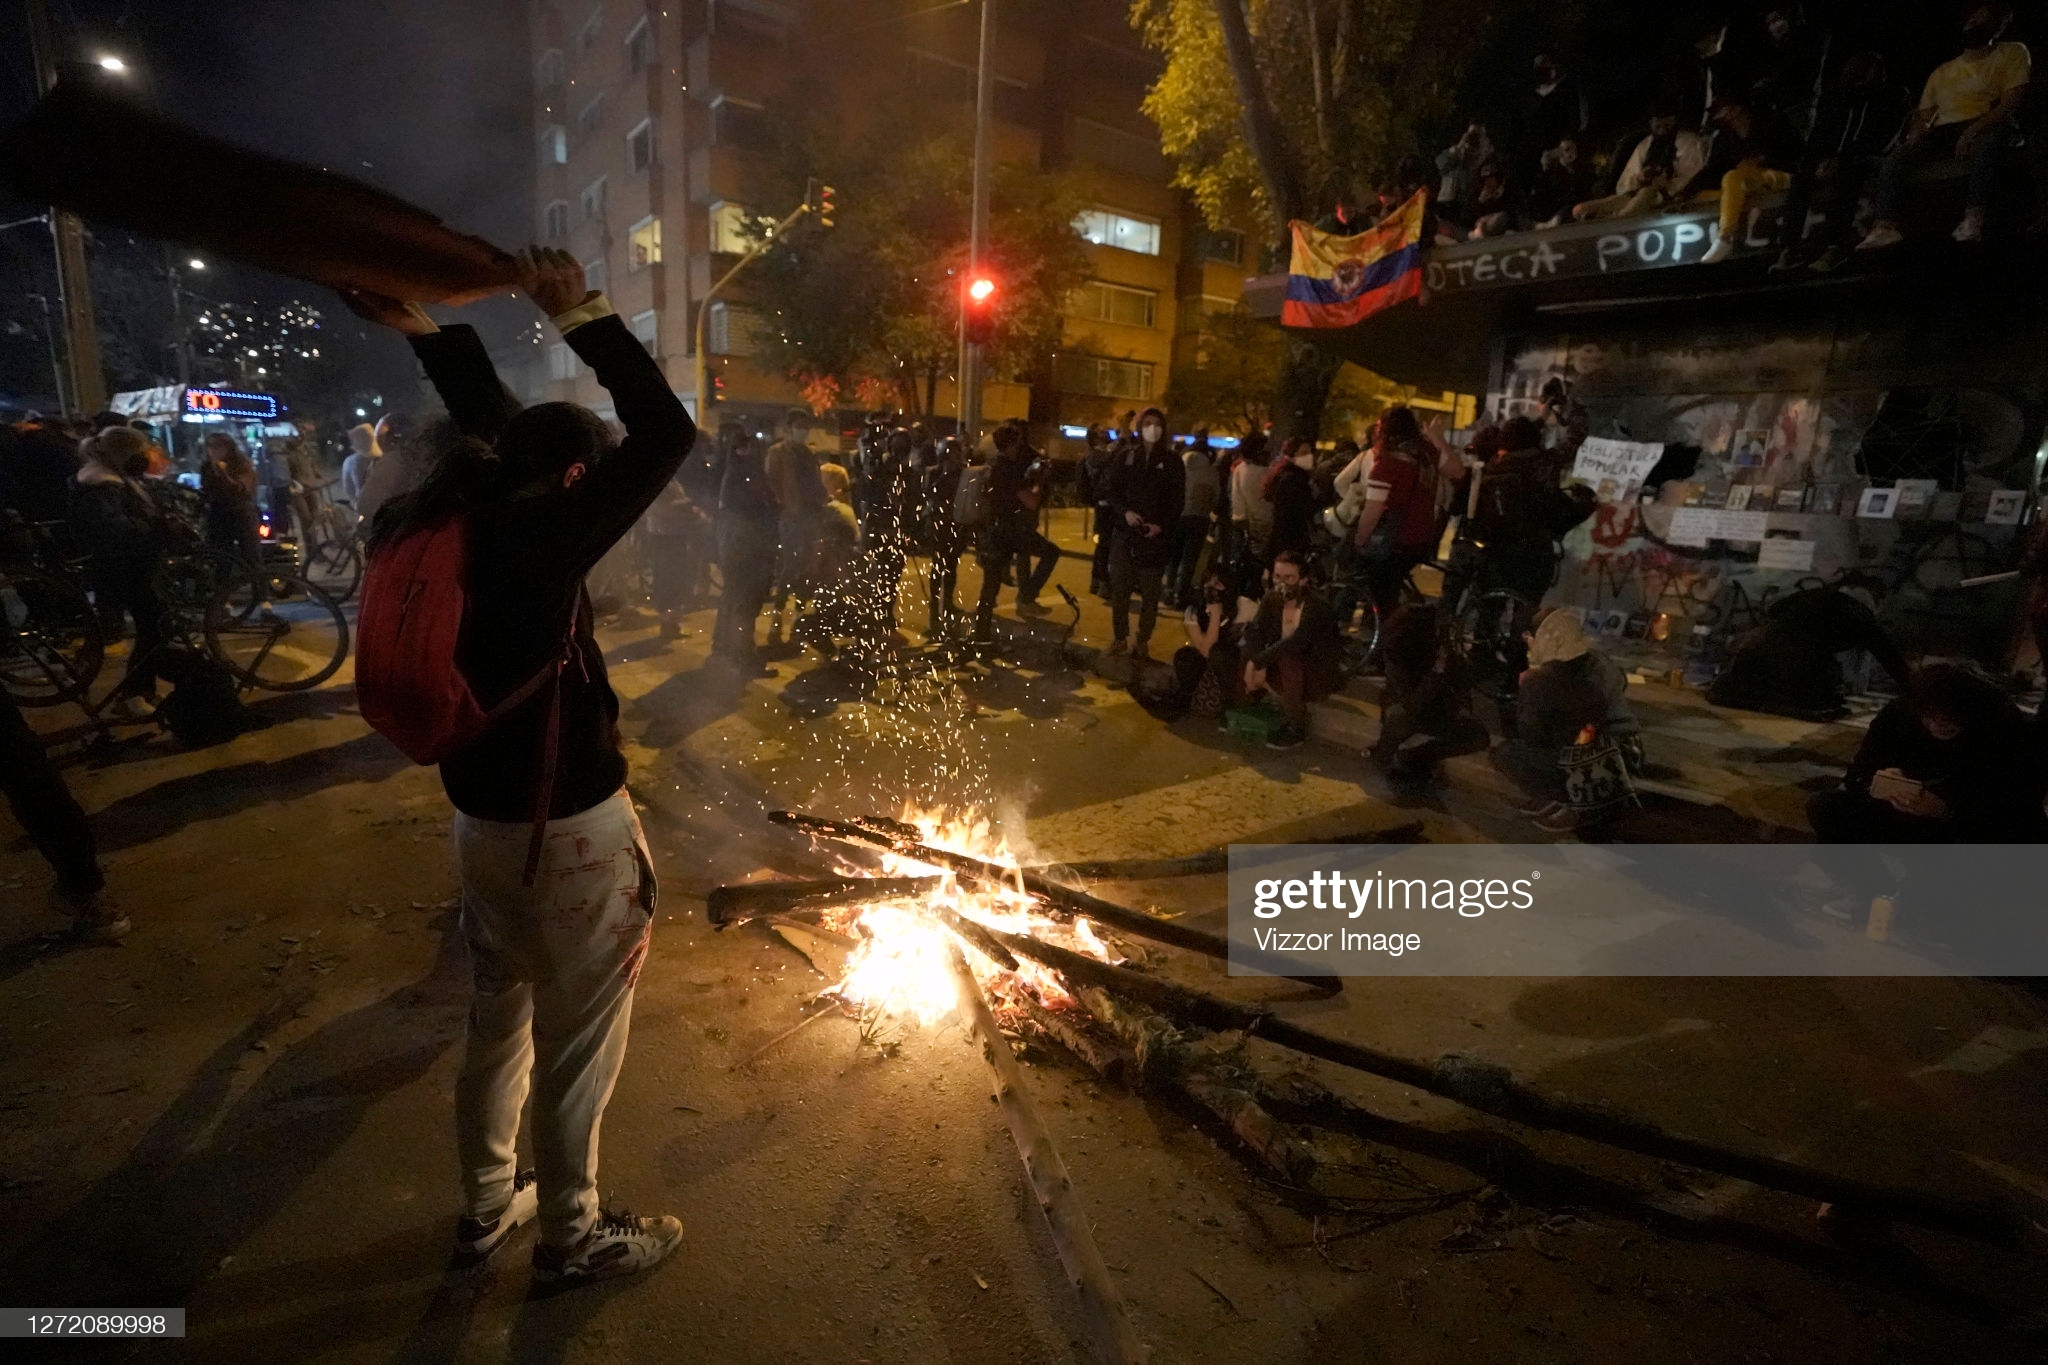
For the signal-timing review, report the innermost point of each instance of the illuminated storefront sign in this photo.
(228, 405)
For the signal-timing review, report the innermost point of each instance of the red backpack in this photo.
(411, 689)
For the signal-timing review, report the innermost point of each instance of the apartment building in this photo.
(650, 130)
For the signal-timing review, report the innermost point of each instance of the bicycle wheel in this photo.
(1488, 633)
(51, 646)
(1362, 645)
(282, 635)
(336, 568)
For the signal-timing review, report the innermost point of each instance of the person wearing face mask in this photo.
(1150, 489)
(1291, 649)
(1966, 114)
(1290, 488)
(116, 521)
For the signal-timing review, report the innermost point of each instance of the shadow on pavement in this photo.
(169, 806)
(164, 1226)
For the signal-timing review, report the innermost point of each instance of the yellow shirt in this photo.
(1963, 89)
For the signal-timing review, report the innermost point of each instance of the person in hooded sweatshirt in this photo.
(364, 453)
(1570, 693)
(116, 522)
(1150, 489)
(554, 956)
(1290, 490)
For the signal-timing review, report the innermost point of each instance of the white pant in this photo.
(554, 966)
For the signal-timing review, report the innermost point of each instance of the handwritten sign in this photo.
(1615, 470)
(1698, 525)
(1781, 553)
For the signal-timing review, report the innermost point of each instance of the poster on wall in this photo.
(1781, 553)
(1877, 503)
(1615, 470)
(2005, 507)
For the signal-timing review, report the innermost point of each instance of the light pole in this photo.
(977, 241)
(50, 339)
(67, 234)
(181, 344)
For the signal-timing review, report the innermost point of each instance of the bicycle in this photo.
(51, 642)
(333, 554)
(272, 629)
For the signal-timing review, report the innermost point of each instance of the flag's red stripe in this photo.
(1295, 313)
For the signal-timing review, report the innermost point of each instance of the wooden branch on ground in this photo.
(1105, 1058)
(904, 840)
(1116, 1339)
(729, 905)
(1199, 864)
(1494, 1090)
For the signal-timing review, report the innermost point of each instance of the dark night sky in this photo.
(429, 99)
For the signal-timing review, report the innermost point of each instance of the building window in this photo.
(555, 221)
(643, 243)
(1211, 245)
(738, 123)
(550, 69)
(595, 274)
(640, 147)
(554, 145)
(730, 330)
(640, 47)
(1198, 312)
(592, 116)
(647, 327)
(586, 37)
(1116, 149)
(561, 362)
(593, 199)
(1107, 227)
(1101, 301)
(729, 224)
(1100, 378)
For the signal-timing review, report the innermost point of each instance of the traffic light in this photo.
(823, 201)
(981, 310)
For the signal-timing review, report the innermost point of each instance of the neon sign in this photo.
(227, 405)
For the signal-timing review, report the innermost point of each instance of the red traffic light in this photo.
(980, 310)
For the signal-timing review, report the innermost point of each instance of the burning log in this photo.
(1057, 1200)
(907, 841)
(1494, 1090)
(750, 900)
(1105, 1059)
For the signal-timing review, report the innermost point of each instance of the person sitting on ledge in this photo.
(1965, 114)
(1659, 172)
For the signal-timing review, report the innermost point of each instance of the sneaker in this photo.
(620, 1244)
(1031, 606)
(1286, 737)
(1119, 648)
(1789, 259)
(1971, 229)
(476, 1238)
(1879, 237)
(1720, 251)
(1562, 820)
(1539, 808)
(1833, 259)
(1141, 653)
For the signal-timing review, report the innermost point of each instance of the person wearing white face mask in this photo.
(1150, 485)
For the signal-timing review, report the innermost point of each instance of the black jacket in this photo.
(528, 557)
(1295, 503)
(112, 519)
(1151, 481)
(1991, 777)
(1316, 638)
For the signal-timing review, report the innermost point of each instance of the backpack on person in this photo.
(408, 681)
(971, 501)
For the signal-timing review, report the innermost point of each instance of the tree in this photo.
(870, 308)
(1227, 380)
(1363, 79)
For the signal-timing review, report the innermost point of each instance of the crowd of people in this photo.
(1755, 105)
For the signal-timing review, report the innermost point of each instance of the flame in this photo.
(902, 967)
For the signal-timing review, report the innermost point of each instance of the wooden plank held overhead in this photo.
(116, 163)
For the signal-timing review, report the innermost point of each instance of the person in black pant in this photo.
(1426, 716)
(57, 827)
(1011, 535)
(1291, 648)
(118, 524)
(746, 556)
(1092, 480)
(558, 888)
(1147, 495)
(948, 539)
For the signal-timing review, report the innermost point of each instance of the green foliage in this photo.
(873, 304)
(1227, 381)
(1352, 84)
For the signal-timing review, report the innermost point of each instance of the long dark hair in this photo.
(464, 474)
(1397, 429)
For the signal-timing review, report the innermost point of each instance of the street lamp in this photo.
(195, 264)
(111, 63)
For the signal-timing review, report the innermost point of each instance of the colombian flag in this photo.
(1335, 281)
